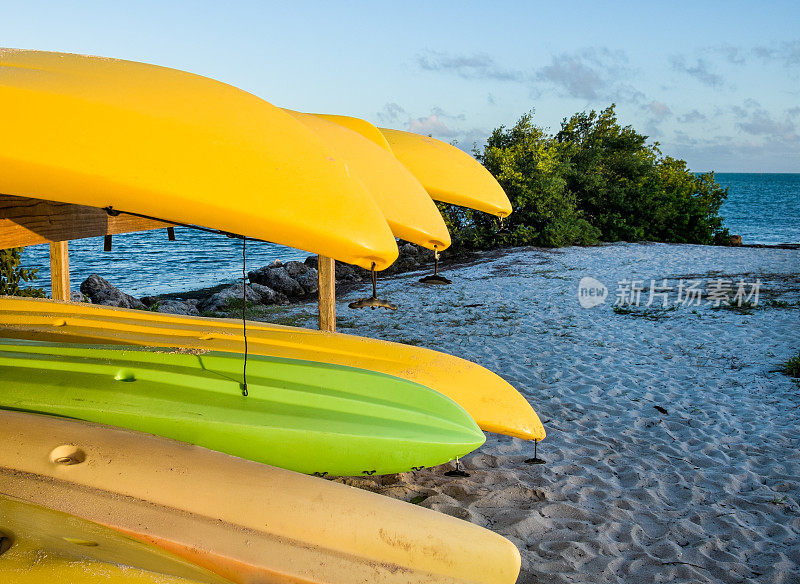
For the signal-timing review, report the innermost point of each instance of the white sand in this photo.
(708, 492)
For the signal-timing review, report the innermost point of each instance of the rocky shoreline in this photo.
(285, 283)
(274, 285)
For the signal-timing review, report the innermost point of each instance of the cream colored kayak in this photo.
(245, 521)
(43, 546)
(492, 402)
(448, 174)
(179, 147)
(408, 209)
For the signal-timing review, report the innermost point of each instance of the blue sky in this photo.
(716, 83)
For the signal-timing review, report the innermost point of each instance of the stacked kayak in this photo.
(491, 401)
(179, 147)
(309, 417)
(409, 211)
(447, 173)
(246, 522)
(134, 445)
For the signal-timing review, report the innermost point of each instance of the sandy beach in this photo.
(706, 492)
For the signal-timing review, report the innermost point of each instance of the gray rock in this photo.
(268, 295)
(100, 291)
(278, 279)
(177, 307)
(408, 249)
(345, 272)
(309, 281)
(230, 298)
(76, 296)
(148, 301)
(296, 269)
(275, 264)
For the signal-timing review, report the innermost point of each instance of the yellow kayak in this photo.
(244, 521)
(492, 402)
(179, 147)
(42, 546)
(363, 127)
(409, 211)
(448, 174)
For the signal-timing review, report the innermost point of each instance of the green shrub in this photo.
(792, 367)
(594, 180)
(12, 274)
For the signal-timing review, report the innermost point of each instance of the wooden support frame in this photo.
(59, 271)
(327, 294)
(25, 221)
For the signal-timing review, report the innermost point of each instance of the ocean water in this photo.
(146, 262)
(762, 208)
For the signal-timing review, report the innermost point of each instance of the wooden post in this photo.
(327, 294)
(59, 271)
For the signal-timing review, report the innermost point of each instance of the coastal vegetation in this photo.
(792, 367)
(12, 274)
(593, 180)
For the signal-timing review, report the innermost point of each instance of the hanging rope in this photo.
(436, 278)
(112, 212)
(373, 301)
(244, 314)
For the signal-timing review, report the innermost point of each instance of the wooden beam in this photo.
(327, 294)
(59, 271)
(25, 221)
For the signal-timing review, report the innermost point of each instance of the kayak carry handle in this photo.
(373, 301)
(435, 278)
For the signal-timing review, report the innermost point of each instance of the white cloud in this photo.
(475, 66)
(700, 71)
(591, 73)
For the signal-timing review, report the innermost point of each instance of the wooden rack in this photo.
(26, 221)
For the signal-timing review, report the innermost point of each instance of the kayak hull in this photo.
(45, 545)
(492, 402)
(179, 147)
(449, 174)
(409, 211)
(244, 521)
(309, 417)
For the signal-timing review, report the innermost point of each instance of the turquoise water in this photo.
(762, 208)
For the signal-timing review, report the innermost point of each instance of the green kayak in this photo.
(299, 415)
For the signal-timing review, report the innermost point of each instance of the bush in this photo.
(792, 367)
(12, 274)
(592, 181)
